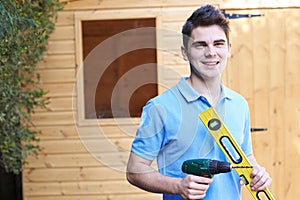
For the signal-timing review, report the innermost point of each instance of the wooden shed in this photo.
(89, 125)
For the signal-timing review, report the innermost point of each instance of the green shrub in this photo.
(24, 31)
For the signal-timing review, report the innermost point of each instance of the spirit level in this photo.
(232, 150)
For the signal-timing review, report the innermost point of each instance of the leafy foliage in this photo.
(24, 31)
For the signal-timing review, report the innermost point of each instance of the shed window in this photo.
(121, 89)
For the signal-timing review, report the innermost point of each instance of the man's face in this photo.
(208, 50)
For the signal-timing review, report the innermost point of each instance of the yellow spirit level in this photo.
(232, 150)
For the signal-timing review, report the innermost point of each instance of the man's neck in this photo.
(211, 89)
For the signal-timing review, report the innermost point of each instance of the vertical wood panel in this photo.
(276, 95)
(292, 101)
(240, 69)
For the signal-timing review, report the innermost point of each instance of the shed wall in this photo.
(264, 68)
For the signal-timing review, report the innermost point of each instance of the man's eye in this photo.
(200, 46)
(219, 44)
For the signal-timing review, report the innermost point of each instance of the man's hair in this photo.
(204, 16)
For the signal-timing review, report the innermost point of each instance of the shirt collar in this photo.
(191, 95)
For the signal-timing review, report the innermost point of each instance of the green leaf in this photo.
(24, 31)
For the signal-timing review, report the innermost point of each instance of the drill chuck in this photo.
(217, 167)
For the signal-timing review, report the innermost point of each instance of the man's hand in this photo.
(260, 178)
(194, 187)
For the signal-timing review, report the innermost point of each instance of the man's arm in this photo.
(141, 174)
(261, 179)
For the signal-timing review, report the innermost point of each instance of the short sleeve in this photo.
(247, 142)
(150, 134)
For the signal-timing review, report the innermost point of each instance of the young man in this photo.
(171, 132)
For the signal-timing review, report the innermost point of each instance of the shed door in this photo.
(266, 69)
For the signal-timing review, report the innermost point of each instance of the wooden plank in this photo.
(53, 118)
(60, 104)
(71, 174)
(261, 74)
(65, 18)
(172, 26)
(50, 132)
(61, 47)
(290, 142)
(66, 61)
(276, 99)
(178, 15)
(292, 72)
(58, 132)
(60, 90)
(173, 58)
(62, 146)
(171, 44)
(240, 65)
(58, 75)
(117, 4)
(76, 160)
(79, 188)
(290, 135)
(106, 131)
(175, 72)
(93, 145)
(63, 33)
(244, 4)
(140, 196)
(260, 60)
(116, 14)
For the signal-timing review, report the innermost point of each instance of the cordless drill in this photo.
(207, 167)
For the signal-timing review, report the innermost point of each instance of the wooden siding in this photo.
(264, 67)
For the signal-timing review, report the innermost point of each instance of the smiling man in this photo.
(171, 132)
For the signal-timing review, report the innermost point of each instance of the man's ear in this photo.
(229, 50)
(184, 53)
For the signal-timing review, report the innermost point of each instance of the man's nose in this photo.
(210, 51)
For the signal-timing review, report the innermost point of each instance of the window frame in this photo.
(78, 101)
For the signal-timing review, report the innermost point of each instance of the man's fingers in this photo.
(261, 179)
(196, 186)
(200, 179)
(242, 182)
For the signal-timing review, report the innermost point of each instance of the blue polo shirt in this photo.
(171, 132)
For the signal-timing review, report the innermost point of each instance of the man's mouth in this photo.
(211, 63)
